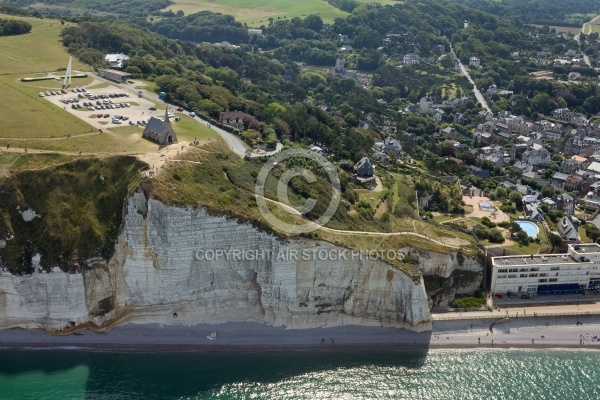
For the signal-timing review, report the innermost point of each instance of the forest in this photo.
(542, 12)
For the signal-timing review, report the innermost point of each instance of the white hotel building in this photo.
(525, 273)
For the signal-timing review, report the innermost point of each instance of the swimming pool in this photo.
(530, 228)
(486, 206)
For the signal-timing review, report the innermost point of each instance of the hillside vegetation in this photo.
(75, 210)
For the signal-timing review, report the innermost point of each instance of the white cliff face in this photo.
(184, 266)
(50, 300)
(440, 264)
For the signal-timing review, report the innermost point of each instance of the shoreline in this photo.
(544, 333)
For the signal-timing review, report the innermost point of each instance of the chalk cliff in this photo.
(183, 266)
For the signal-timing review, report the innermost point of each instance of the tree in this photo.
(547, 191)
(555, 240)
(495, 236)
(517, 198)
(313, 22)
(541, 103)
(592, 232)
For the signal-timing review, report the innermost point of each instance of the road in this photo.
(476, 91)
(236, 144)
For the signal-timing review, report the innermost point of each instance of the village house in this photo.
(412, 59)
(389, 145)
(565, 203)
(234, 119)
(567, 230)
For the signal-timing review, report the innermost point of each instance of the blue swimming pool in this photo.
(530, 228)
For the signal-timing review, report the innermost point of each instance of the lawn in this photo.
(582, 235)
(368, 196)
(38, 51)
(190, 130)
(257, 12)
(25, 115)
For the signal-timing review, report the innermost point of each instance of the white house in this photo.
(412, 59)
(116, 60)
(475, 62)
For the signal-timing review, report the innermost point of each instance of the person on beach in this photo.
(479, 340)
(492, 342)
(532, 341)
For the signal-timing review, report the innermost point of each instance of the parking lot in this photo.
(99, 106)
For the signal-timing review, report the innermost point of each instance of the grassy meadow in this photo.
(35, 52)
(258, 12)
(24, 115)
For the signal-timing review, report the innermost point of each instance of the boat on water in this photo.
(212, 336)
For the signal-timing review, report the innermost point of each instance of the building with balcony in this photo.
(578, 269)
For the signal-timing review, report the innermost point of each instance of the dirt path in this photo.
(293, 211)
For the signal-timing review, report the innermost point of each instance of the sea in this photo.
(71, 373)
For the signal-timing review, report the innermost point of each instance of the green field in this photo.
(126, 139)
(38, 51)
(257, 12)
(25, 115)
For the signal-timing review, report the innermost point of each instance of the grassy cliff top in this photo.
(214, 179)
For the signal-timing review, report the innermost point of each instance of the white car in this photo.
(192, 114)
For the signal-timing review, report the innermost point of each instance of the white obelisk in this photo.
(67, 74)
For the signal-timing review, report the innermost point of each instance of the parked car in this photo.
(192, 114)
(106, 115)
(525, 296)
(41, 94)
(179, 109)
(153, 108)
(512, 295)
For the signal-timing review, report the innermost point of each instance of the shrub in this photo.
(469, 302)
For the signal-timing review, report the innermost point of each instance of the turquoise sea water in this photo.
(437, 374)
